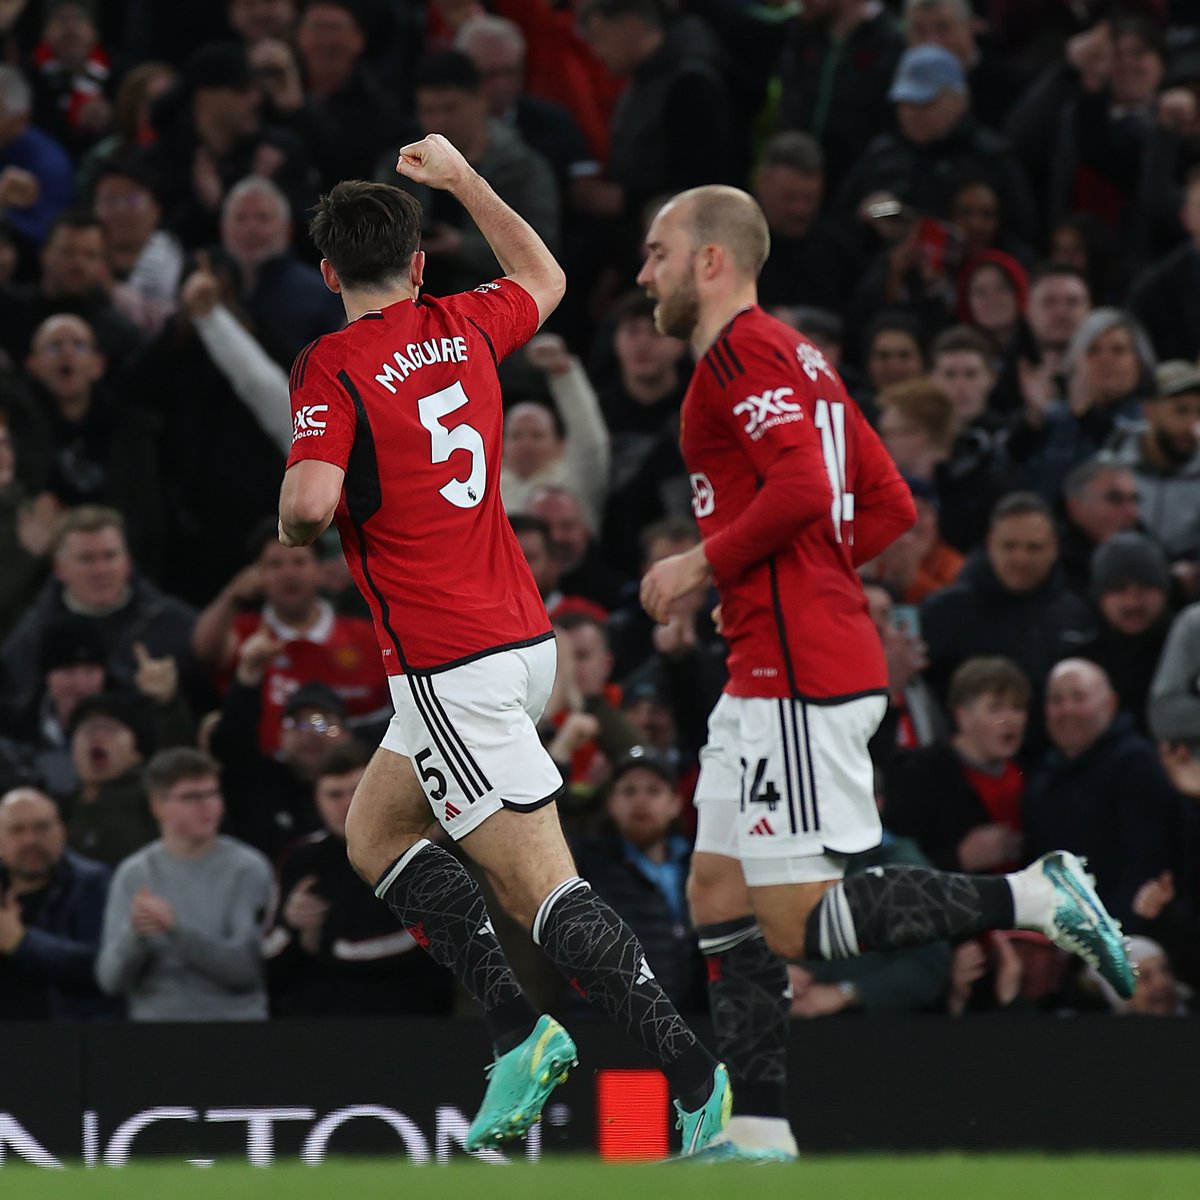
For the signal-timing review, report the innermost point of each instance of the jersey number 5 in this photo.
(830, 420)
(445, 441)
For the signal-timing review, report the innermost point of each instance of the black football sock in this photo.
(749, 997)
(888, 908)
(604, 961)
(438, 902)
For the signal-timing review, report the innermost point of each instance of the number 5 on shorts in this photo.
(428, 773)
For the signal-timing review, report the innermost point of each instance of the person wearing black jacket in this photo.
(641, 868)
(333, 949)
(51, 908)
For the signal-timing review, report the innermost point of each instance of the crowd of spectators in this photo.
(985, 212)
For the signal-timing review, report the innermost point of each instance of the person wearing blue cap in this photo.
(937, 142)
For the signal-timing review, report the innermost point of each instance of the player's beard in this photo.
(677, 314)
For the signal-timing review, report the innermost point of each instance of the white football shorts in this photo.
(471, 732)
(787, 787)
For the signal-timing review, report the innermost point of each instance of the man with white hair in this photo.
(36, 177)
(285, 297)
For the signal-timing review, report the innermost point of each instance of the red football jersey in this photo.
(407, 401)
(339, 651)
(792, 490)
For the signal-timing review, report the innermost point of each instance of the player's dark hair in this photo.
(993, 676)
(448, 69)
(169, 767)
(368, 232)
(1019, 504)
(348, 756)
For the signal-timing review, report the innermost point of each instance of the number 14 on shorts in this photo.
(760, 790)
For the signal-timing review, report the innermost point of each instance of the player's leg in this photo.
(430, 892)
(747, 981)
(485, 717)
(807, 911)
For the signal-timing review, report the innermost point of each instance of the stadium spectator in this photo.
(671, 127)
(72, 76)
(1059, 300)
(74, 279)
(960, 798)
(184, 918)
(1173, 711)
(333, 949)
(450, 101)
(496, 46)
(51, 903)
(960, 364)
(994, 82)
(35, 171)
(1100, 499)
(314, 641)
(640, 406)
(211, 134)
(639, 865)
(111, 738)
(82, 445)
(937, 141)
(812, 258)
(583, 571)
(95, 579)
(27, 529)
(1131, 586)
(1100, 790)
(564, 444)
(145, 261)
(893, 352)
(1009, 600)
(1108, 368)
(1164, 457)
(270, 795)
(914, 717)
(132, 130)
(918, 563)
(1164, 296)
(835, 74)
(992, 293)
(258, 20)
(1158, 993)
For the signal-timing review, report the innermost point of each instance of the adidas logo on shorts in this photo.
(762, 829)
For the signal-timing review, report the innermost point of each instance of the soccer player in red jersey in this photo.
(792, 491)
(397, 436)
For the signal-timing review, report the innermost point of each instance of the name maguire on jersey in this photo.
(406, 401)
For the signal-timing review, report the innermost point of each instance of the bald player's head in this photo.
(704, 248)
(723, 216)
(32, 836)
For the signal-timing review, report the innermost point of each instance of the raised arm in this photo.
(523, 256)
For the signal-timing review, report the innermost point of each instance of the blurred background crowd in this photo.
(985, 212)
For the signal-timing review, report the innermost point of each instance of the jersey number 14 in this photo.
(830, 420)
(443, 442)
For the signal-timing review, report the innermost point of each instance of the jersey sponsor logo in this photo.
(812, 361)
(420, 354)
(488, 287)
(704, 499)
(307, 422)
(768, 410)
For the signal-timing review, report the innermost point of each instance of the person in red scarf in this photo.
(993, 290)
